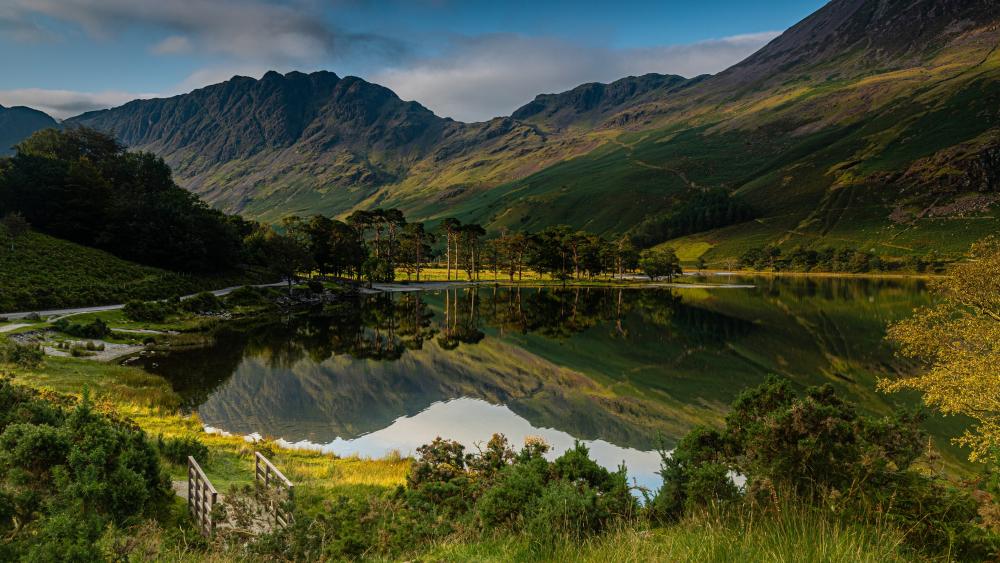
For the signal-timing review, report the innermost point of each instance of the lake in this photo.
(626, 371)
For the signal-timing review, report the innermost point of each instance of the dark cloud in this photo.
(261, 30)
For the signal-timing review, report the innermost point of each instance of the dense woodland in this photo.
(84, 186)
(829, 259)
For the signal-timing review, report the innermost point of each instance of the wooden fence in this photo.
(279, 489)
(202, 497)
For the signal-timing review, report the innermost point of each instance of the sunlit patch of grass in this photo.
(688, 251)
(106, 382)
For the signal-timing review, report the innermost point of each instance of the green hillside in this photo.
(868, 124)
(43, 272)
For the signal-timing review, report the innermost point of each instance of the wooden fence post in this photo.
(272, 478)
(202, 497)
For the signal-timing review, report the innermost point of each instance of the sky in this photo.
(466, 59)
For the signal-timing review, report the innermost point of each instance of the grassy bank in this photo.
(330, 490)
(790, 532)
(44, 272)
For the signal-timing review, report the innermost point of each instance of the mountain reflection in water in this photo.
(626, 370)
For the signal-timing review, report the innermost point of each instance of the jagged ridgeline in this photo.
(872, 123)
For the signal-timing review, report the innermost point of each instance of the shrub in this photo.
(204, 302)
(94, 329)
(315, 286)
(26, 356)
(67, 473)
(177, 450)
(248, 296)
(817, 448)
(148, 311)
(449, 490)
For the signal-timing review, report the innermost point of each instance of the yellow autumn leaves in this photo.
(958, 342)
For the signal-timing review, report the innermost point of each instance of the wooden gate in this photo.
(280, 491)
(202, 497)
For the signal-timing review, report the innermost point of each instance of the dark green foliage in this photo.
(177, 450)
(817, 448)
(66, 473)
(660, 263)
(695, 475)
(149, 311)
(447, 490)
(83, 186)
(702, 212)
(378, 270)
(248, 296)
(96, 328)
(828, 259)
(315, 286)
(204, 302)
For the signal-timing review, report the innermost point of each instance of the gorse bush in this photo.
(450, 491)
(204, 302)
(66, 473)
(94, 329)
(149, 311)
(249, 296)
(176, 450)
(818, 449)
(27, 356)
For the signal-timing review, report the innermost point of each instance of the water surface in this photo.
(627, 371)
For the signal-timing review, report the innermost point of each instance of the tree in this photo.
(319, 232)
(550, 252)
(626, 257)
(660, 263)
(450, 226)
(414, 248)
(958, 342)
(471, 235)
(286, 257)
(83, 186)
(701, 264)
(16, 226)
(347, 251)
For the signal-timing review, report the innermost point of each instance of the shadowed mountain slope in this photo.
(18, 123)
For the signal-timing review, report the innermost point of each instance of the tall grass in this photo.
(793, 533)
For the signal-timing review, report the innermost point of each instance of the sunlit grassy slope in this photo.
(43, 272)
(874, 162)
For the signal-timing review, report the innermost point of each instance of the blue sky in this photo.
(469, 59)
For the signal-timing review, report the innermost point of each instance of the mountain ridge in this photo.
(825, 106)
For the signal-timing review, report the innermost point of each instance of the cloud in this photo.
(477, 78)
(66, 103)
(173, 45)
(260, 30)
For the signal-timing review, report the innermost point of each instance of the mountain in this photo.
(18, 123)
(590, 104)
(871, 123)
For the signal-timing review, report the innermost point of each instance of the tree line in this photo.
(373, 245)
(83, 186)
(830, 259)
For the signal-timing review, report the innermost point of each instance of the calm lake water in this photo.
(626, 371)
